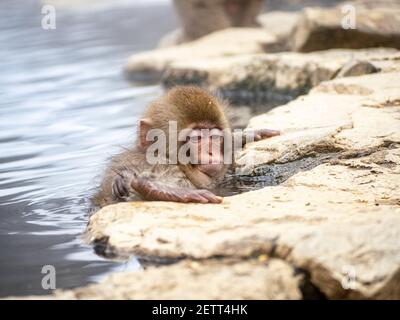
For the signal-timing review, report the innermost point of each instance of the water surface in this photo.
(64, 108)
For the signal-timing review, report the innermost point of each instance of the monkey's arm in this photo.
(156, 192)
(149, 190)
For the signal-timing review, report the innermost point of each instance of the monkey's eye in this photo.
(216, 134)
(195, 138)
(217, 138)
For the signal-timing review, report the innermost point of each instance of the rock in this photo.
(149, 66)
(338, 222)
(356, 68)
(330, 230)
(373, 26)
(378, 183)
(343, 114)
(273, 79)
(253, 279)
(325, 228)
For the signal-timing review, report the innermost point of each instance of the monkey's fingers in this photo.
(211, 197)
(155, 192)
(195, 197)
(266, 133)
(118, 188)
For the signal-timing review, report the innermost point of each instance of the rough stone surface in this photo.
(253, 279)
(149, 66)
(356, 68)
(332, 230)
(274, 78)
(339, 222)
(325, 227)
(343, 114)
(375, 25)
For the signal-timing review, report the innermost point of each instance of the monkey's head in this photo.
(198, 117)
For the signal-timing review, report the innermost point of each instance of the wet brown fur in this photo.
(186, 105)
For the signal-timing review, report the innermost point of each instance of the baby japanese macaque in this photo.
(183, 151)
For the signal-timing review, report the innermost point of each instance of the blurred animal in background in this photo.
(201, 17)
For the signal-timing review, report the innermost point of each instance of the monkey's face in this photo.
(193, 126)
(207, 151)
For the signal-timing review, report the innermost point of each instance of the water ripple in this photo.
(64, 108)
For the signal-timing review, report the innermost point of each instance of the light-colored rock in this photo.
(365, 26)
(273, 78)
(356, 68)
(339, 222)
(253, 279)
(337, 225)
(375, 177)
(321, 228)
(344, 114)
(149, 66)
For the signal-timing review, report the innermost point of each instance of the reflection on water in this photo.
(64, 108)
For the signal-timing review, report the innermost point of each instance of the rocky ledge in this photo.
(326, 223)
(277, 78)
(352, 25)
(331, 230)
(148, 67)
(209, 279)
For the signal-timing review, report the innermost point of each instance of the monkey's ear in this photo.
(144, 126)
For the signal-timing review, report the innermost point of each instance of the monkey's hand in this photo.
(155, 192)
(258, 134)
(119, 188)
